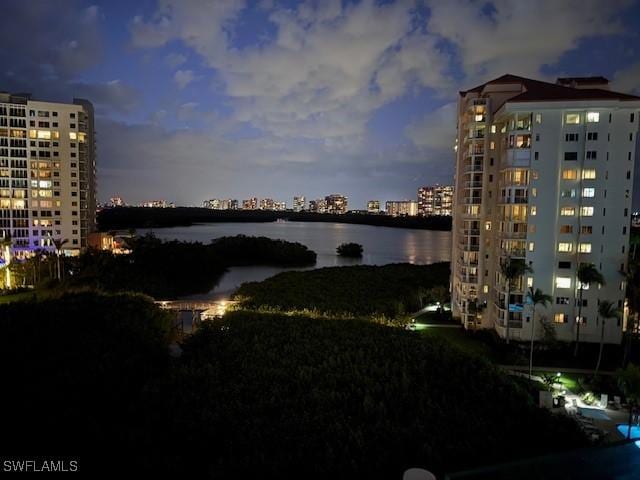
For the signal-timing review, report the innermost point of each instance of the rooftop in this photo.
(536, 90)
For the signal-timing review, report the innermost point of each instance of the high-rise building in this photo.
(116, 202)
(435, 200)
(298, 204)
(266, 204)
(336, 203)
(373, 206)
(401, 208)
(318, 206)
(47, 173)
(544, 174)
(250, 204)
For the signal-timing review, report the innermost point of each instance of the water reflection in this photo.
(382, 245)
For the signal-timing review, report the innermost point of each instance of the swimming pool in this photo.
(623, 428)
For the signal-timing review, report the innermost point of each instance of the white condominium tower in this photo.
(47, 173)
(544, 173)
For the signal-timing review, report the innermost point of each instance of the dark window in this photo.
(592, 136)
(564, 264)
(536, 155)
(591, 154)
(571, 155)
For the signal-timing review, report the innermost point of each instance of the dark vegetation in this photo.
(167, 269)
(353, 250)
(138, 217)
(74, 368)
(361, 291)
(255, 395)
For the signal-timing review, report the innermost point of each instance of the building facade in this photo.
(373, 206)
(318, 206)
(336, 203)
(250, 204)
(47, 173)
(299, 204)
(402, 208)
(435, 200)
(544, 174)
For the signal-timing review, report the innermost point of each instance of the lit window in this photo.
(534, 192)
(586, 211)
(566, 228)
(588, 192)
(560, 318)
(485, 288)
(589, 174)
(538, 118)
(33, 133)
(532, 246)
(584, 248)
(565, 247)
(534, 210)
(567, 211)
(572, 118)
(73, 136)
(530, 282)
(563, 282)
(493, 129)
(569, 174)
(487, 225)
(593, 117)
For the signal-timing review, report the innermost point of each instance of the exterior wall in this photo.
(535, 230)
(47, 183)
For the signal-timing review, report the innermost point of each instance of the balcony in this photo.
(514, 200)
(469, 247)
(470, 231)
(472, 167)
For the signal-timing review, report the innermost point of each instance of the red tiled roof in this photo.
(536, 90)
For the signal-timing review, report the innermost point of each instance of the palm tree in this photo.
(629, 382)
(59, 243)
(633, 302)
(535, 297)
(511, 269)
(587, 274)
(606, 310)
(6, 244)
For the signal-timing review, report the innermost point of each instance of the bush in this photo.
(75, 367)
(362, 291)
(350, 250)
(259, 395)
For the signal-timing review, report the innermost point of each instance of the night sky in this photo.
(212, 99)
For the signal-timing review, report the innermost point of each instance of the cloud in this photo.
(435, 130)
(110, 95)
(520, 37)
(627, 79)
(326, 70)
(174, 60)
(184, 78)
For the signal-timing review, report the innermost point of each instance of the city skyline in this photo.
(238, 102)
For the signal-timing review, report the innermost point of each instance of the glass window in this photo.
(565, 247)
(586, 211)
(572, 118)
(563, 282)
(570, 174)
(584, 248)
(534, 211)
(589, 174)
(567, 211)
(588, 192)
(593, 117)
(73, 136)
(560, 318)
(566, 228)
